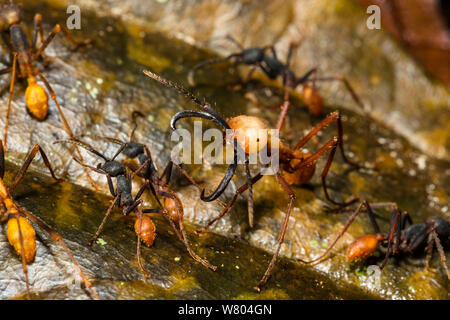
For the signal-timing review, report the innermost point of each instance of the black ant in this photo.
(399, 240)
(298, 166)
(25, 54)
(274, 68)
(252, 56)
(20, 233)
(123, 196)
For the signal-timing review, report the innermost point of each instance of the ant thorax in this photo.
(113, 168)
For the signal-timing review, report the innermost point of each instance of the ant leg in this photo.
(285, 108)
(334, 116)
(347, 85)
(110, 185)
(11, 91)
(203, 64)
(324, 185)
(313, 158)
(398, 237)
(250, 192)
(429, 250)
(66, 125)
(441, 252)
(52, 35)
(77, 43)
(272, 50)
(346, 226)
(324, 123)
(134, 115)
(21, 173)
(249, 75)
(390, 238)
(141, 266)
(167, 173)
(108, 213)
(237, 43)
(291, 194)
(179, 210)
(230, 204)
(293, 45)
(192, 181)
(166, 215)
(150, 185)
(38, 30)
(2, 160)
(136, 200)
(57, 237)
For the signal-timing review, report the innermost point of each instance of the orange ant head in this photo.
(301, 175)
(171, 208)
(10, 14)
(36, 99)
(363, 247)
(313, 100)
(148, 230)
(28, 236)
(250, 132)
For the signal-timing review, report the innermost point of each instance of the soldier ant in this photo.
(20, 233)
(274, 68)
(144, 226)
(25, 55)
(298, 166)
(399, 240)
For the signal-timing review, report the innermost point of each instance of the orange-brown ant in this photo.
(24, 55)
(298, 167)
(399, 240)
(20, 233)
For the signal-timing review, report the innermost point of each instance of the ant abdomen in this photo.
(302, 175)
(28, 236)
(363, 247)
(313, 100)
(36, 99)
(252, 55)
(147, 232)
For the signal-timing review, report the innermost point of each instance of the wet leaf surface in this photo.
(404, 135)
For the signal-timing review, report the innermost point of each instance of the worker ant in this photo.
(24, 55)
(20, 232)
(298, 166)
(252, 56)
(144, 226)
(274, 68)
(399, 240)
